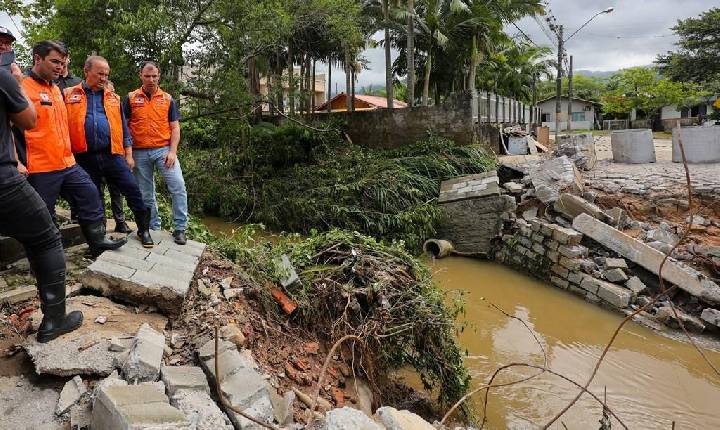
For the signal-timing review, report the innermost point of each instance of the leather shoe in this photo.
(179, 236)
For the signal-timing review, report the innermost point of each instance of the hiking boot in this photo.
(179, 236)
(122, 227)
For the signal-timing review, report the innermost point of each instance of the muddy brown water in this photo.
(651, 380)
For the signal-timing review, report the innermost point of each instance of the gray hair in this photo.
(91, 60)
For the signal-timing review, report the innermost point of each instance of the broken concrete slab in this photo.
(86, 351)
(615, 295)
(200, 410)
(27, 406)
(571, 206)
(580, 148)
(158, 276)
(283, 407)
(471, 224)
(615, 275)
(145, 356)
(349, 419)
(513, 187)
(189, 378)
(136, 407)
(615, 263)
(661, 235)
(666, 315)
(16, 295)
(81, 415)
(552, 177)
(469, 187)
(684, 277)
(394, 419)
(618, 217)
(711, 316)
(70, 395)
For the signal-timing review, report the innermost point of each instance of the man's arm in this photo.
(23, 118)
(174, 142)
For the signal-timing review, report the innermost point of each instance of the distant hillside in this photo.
(592, 74)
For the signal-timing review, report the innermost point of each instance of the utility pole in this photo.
(558, 81)
(570, 94)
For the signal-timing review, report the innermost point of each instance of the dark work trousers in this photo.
(24, 217)
(75, 186)
(113, 170)
(116, 201)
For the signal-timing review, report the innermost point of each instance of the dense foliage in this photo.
(292, 178)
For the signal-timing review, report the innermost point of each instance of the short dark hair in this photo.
(45, 47)
(148, 63)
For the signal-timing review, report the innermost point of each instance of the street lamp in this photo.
(558, 83)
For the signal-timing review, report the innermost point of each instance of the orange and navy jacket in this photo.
(48, 144)
(76, 104)
(148, 118)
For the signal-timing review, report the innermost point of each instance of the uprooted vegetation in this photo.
(352, 285)
(290, 178)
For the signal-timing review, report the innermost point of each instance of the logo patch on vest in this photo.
(139, 100)
(45, 99)
(74, 98)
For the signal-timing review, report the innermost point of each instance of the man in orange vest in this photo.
(51, 167)
(24, 215)
(101, 141)
(154, 122)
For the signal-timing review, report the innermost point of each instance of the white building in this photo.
(585, 113)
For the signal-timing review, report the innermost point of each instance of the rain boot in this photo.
(142, 219)
(95, 236)
(50, 272)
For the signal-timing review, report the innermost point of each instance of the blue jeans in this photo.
(145, 162)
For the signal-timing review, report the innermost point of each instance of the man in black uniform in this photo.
(25, 217)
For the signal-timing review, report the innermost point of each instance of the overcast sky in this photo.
(632, 35)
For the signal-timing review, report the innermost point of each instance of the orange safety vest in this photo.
(76, 104)
(148, 123)
(48, 144)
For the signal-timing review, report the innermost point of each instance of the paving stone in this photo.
(70, 395)
(683, 276)
(615, 263)
(145, 356)
(635, 285)
(615, 295)
(158, 276)
(16, 295)
(394, 419)
(136, 407)
(349, 419)
(469, 186)
(200, 409)
(615, 275)
(189, 378)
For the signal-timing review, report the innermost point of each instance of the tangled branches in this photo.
(353, 286)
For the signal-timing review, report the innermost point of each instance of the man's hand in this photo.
(130, 161)
(22, 169)
(170, 160)
(16, 72)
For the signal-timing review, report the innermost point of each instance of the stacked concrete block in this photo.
(144, 357)
(189, 391)
(241, 384)
(135, 407)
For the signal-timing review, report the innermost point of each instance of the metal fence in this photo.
(616, 124)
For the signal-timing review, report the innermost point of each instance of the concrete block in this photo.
(349, 419)
(559, 270)
(128, 261)
(615, 275)
(590, 284)
(552, 245)
(145, 356)
(666, 315)
(575, 278)
(136, 407)
(569, 263)
(70, 395)
(635, 285)
(538, 248)
(683, 276)
(18, 294)
(393, 419)
(711, 316)
(106, 267)
(615, 295)
(559, 282)
(615, 263)
(201, 410)
(189, 378)
(573, 251)
(479, 185)
(566, 236)
(571, 206)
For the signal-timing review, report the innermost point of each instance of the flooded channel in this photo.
(651, 380)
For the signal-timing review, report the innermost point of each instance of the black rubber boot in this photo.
(122, 227)
(51, 289)
(142, 219)
(95, 236)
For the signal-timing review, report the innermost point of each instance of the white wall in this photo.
(548, 107)
(576, 125)
(669, 112)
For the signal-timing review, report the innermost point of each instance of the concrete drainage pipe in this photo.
(438, 248)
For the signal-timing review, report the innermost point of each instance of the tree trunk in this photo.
(291, 81)
(411, 53)
(348, 98)
(388, 58)
(437, 95)
(352, 95)
(426, 80)
(497, 107)
(312, 100)
(487, 102)
(308, 84)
